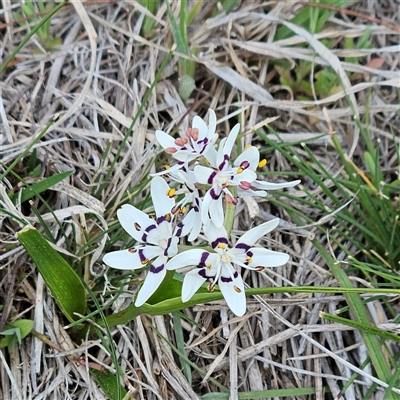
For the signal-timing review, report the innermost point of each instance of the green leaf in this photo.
(65, 285)
(109, 383)
(16, 331)
(41, 186)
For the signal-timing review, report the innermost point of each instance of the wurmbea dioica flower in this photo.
(199, 140)
(218, 266)
(158, 238)
(199, 163)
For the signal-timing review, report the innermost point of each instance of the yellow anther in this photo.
(262, 163)
(145, 261)
(168, 217)
(239, 170)
(248, 146)
(166, 167)
(132, 250)
(249, 259)
(183, 210)
(236, 289)
(171, 193)
(208, 266)
(221, 246)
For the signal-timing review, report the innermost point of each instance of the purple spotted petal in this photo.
(135, 222)
(125, 259)
(251, 155)
(189, 258)
(204, 175)
(192, 282)
(154, 277)
(267, 258)
(235, 298)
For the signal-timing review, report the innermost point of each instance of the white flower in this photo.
(218, 265)
(220, 178)
(158, 238)
(191, 195)
(199, 141)
(250, 160)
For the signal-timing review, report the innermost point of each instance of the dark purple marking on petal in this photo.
(179, 230)
(203, 259)
(197, 201)
(167, 247)
(219, 240)
(142, 256)
(196, 209)
(203, 273)
(147, 230)
(227, 279)
(214, 195)
(242, 246)
(211, 178)
(221, 166)
(156, 270)
(162, 219)
(250, 254)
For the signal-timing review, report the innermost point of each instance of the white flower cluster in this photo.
(199, 165)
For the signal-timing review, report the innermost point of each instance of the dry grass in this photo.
(96, 80)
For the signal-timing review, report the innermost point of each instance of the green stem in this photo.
(230, 213)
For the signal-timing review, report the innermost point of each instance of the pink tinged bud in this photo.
(244, 185)
(193, 133)
(181, 141)
(230, 199)
(170, 150)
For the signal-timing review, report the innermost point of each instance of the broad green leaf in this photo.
(64, 283)
(41, 186)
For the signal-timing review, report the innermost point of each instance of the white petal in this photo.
(196, 228)
(216, 211)
(247, 176)
(235, 300)
(175, 167)
(191, 284)
(201, 126)
(231, 139)
(212, 123)
(185, 155)
(214, 232)
(152, 281)
(163, 204)
(165, 140)
(250, 237)
(274, 186)
(211, 155)
(123, 259)
(204, 175)
(187, 259)
(252, 155)
(267, 258)
(128, 216)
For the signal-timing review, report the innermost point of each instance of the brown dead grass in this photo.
(96, 81)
